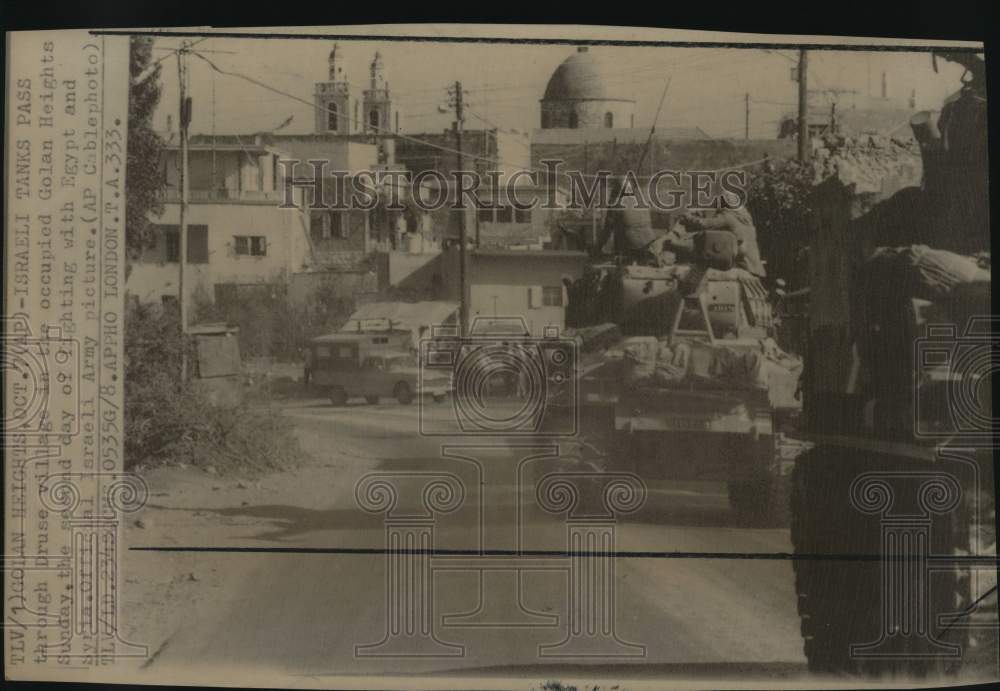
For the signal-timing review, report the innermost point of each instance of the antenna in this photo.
(652, 128)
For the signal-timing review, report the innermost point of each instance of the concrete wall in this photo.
(509, 284)
(287, 249)
(402, 268)
(500, 233)
(668, 154)
(506, 276)
(303, 286)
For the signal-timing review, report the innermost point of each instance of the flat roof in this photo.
(534, 254)
(348, 336)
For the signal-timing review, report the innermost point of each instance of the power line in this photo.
(417, 140)
(316, 106)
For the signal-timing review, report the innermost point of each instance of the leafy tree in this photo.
(143, 179)
(778, 199)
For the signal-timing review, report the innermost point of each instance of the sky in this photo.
(708, 86)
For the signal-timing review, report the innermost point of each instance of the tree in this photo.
(778, 200)
(143, 179)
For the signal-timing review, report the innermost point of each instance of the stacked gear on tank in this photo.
(650, 300)
(736, 221)
(920, 258)
(687, 382)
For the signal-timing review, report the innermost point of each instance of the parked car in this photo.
(344, 366)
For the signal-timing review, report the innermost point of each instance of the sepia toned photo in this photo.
(471, 356)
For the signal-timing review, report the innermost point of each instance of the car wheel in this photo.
(403, 393)
(338, 396)
(372, 400)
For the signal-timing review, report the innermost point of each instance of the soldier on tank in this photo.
(630, 227)
(732, 216)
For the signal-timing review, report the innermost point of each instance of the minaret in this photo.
(333, 100)
(377, 105)
(377, 79)
(332, 62)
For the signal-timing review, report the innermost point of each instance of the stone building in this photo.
(579, 96)
(339, 111)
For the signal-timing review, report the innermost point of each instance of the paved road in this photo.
(521, 606)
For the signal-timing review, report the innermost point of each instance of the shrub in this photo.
(778, 199)
(171, 421)
(271, 324)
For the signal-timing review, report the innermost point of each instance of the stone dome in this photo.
(579, 77)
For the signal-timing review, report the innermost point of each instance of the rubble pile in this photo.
(867, 162)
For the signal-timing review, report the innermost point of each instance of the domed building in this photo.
(579, 96)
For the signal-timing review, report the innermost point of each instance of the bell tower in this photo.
(377, 104)
(333, 111)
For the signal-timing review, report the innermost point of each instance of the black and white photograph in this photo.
(492, 356)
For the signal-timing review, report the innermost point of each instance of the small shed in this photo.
(217, 364)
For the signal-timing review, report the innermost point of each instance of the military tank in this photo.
(893, 509)
(679, 376)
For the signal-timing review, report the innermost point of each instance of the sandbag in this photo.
(883, 319)
(671, 364)
(918, 271)
(639, 356)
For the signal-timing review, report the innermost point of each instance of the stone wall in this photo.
(589, 114)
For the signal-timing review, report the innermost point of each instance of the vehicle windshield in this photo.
(402, 362)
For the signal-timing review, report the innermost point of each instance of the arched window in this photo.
(373, 119)
(609, 120)
(332, 117)
(573, 122)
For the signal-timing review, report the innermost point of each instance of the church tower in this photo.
(377, 104)
(334, 105)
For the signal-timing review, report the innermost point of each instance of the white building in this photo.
(238, 232)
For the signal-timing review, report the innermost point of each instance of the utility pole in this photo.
(835, 94)
(185, 118)
(746, 118)
(463, 305)
(803, 106)
(592, 240)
